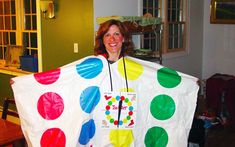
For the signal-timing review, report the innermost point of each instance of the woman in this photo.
(113, 40)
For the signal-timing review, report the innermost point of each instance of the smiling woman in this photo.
(113, 40)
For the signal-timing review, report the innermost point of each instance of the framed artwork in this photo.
(13, 54)
(222, 11)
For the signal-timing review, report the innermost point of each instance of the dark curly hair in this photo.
(127, 45)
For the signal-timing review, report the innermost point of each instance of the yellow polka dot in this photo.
(113, 99)
(133, 69)
(124, 120)
(108, 117)
(129, 103)
(121, 138)
(125, 90)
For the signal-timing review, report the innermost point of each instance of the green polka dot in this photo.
(110, 103)
(128, 117)
(168, 78)
(162, 107)
(111, 120)
(156, 137)
(126, 100)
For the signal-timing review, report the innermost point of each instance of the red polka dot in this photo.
(48, 77)
(53, 137)
(130, 113)
(115, 122)
(107, 107)
(122, 98)
(50, 105)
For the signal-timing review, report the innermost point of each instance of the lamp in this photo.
(47, 8)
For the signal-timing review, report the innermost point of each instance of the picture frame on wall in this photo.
(222, 12)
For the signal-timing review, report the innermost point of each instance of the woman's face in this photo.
(113, 40)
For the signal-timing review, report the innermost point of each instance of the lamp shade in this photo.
(44, 5)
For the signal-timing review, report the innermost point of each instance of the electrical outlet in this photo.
(75, 47)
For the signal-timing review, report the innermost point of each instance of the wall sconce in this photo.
(47, 8)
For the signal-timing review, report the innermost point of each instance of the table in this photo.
(10, 133)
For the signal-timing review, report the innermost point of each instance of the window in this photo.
(7, 26)
(18, 27)
(29, 30)
(173, 14)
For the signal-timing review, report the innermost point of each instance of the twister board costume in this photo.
(73, 106)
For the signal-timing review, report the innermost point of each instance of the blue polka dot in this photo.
(131, 108)
(87, 132)
(117, 98)
(89, 68)
(89, 98)
(107, 112)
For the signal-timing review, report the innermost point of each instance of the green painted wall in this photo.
(73, 23)
(5, 88)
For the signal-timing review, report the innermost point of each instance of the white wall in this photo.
(218, 47)
(190, 63)
(115, 8)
